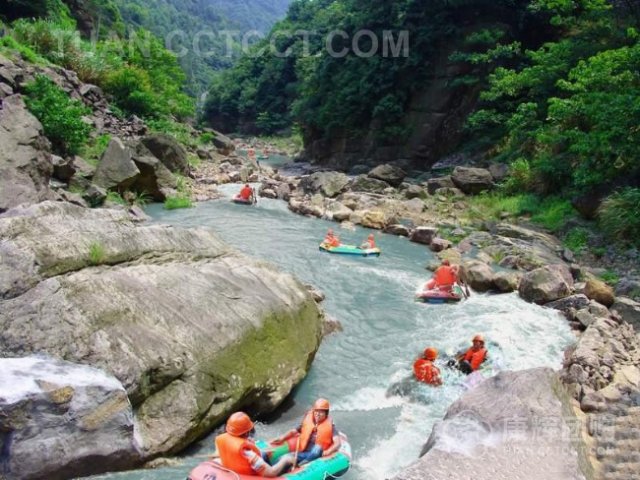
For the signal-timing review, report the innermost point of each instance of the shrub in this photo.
(619, 215)
(610, 277)
(179, 201)
(96, 253)
(553, 213)
(95, 148)
(576, 240)
(60, 116)
(115, 197)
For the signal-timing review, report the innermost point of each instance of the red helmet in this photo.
(430, 353)
(478, 338)
(370, 236)
(238, 424)
(321, 404)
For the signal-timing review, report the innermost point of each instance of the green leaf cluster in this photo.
(60, 116)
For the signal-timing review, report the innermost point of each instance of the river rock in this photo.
(116, 168)
(628, 310)
(223, 144)
(414, 191)
(364, 183)
(576, 302)
(496, 431)
(439, 244)
(599, 291)
(62, 420)
(397, 229)
(191, 328)
(154, 180)
(373, 219)
(499, 171)
(423, 235)
(478, 275)
(25, 161)
(339, 212)
(546, 284)
(63, 168)
(166, 149)
(472, 180)
(330, 184)
(434, 184)
(388, 173)
(506, 282)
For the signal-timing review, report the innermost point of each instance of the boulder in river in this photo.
(506, 427)
(62, 420)
(190, 327)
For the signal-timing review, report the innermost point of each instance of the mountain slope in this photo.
(184, 20)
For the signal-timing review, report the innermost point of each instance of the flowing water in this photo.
(384, 331)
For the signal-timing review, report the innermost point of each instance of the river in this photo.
(384, 331)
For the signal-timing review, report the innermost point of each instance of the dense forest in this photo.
(203, 17)
(558, 85)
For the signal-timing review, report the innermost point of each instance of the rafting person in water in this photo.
(369, 243)
(238, 451)
(424, 369)
(331, 239)
(317, 435)
(247, 193)
(471, 360)
(444, 278)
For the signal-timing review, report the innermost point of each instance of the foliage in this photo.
(138, 72)
(180, 131)
(551, 212)
(9, 45)
(97, 253)
(93, 150)
(60, 116)
(576, 239)
(610, 277)
(115, 197)
(179, 201)
(193, 17)
(619, 215)
(327, 93)
(567, 113)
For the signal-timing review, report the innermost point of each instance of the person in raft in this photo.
(370, 242)
(425, 371)
(472, 359)
(238, 451)
(443, 278)
(317, 435)
(246, 193)
(331, 239)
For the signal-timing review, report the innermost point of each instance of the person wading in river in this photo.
(425, 371)
(472, 359)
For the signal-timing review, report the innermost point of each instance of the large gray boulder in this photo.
(423, 234)
(546, 284)
(507, 427)
(155, 179)
(116, 168)
(190, 327)
(388, 173)
(472, 180)
(166, 149)
(61, 420)
(329, 184)
(25, 161)
(223, 144)
(435, 184)
(363, 183)
(629, 310)
(478, 275)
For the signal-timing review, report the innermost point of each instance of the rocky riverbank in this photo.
(579, 422)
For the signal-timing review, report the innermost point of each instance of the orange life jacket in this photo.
(425, 371)
(324, 432)
(332, 241)
(475, 357)
(230, 450)
(372, 243)
(246, 193)
(444, 276)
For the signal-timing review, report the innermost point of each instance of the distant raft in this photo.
(322, 468)
(351, 250)
(440, 296)
(242, 201)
